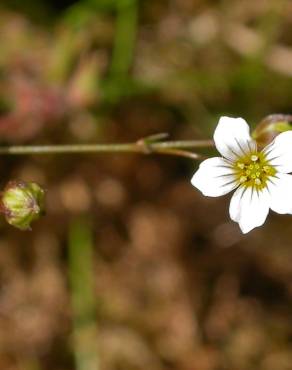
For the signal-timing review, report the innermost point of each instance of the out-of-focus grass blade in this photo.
(125, 36)
(119, 83)
(85, 344)
(79, 12)
(30, 364)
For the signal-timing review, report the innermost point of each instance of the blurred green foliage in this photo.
(85, 340)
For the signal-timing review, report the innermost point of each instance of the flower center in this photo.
(254, 170)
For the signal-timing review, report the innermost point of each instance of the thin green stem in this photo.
(81, 274)
(142, 146)
(125, 35)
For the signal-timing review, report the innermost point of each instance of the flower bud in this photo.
(22, 203)
(270, 127)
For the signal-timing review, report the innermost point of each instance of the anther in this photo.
(257, 181)
(242, 179)
(254, 158)
(240, 165)
(258, 174)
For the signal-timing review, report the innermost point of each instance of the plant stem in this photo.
(125, 36)
(142, 146)
(81, 274)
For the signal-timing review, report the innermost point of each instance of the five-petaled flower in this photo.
(261, 178)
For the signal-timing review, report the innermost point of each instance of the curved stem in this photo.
(142, 146)
(179, 153)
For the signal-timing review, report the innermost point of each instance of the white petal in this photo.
(234, 208)
(279, 152)
(249, 208)
(214, 177)
(280, 188)
(232, 137)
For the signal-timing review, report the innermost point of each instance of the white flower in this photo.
(260, 178)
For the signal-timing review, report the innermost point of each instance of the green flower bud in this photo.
(270, 127)
(22, 203)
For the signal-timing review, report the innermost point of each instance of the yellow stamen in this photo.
(254, 170)
(257, 181)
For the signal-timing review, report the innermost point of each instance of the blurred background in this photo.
(132, 268)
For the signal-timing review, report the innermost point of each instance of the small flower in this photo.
(260, 178)
(22, 203)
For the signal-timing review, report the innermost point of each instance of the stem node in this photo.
(144, 146)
